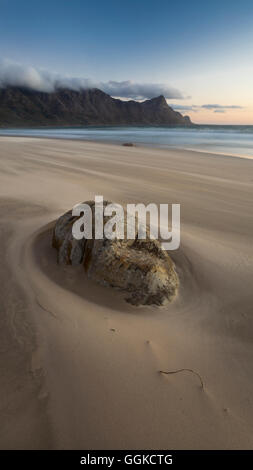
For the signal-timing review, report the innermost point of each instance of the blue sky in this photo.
(202, 49)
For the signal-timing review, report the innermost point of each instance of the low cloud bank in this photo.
(13, 74)
(220, 106)
(216, 108)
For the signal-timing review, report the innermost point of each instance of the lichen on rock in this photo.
(138, 267)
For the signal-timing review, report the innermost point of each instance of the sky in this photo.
(199, 54)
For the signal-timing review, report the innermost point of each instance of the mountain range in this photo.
(22, 107)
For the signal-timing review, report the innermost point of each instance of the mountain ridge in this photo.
(22, 107)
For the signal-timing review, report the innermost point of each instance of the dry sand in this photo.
(79, 368)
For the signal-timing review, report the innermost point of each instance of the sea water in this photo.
(228, 140)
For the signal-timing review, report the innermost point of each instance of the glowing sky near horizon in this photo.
(201, 49)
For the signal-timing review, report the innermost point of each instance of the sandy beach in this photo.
(79, 367)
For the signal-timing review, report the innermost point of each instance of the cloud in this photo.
(14, 74)
(216, 108)
(129, 89)
(182, 107)
(219, 106)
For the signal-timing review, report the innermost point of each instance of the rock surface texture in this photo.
(139, 268)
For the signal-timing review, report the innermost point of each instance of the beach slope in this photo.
(79, 367)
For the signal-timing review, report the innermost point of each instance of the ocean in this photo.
(228, 140)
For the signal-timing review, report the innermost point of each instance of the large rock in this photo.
(140, 268)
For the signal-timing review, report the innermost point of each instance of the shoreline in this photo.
(135, 145)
